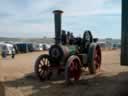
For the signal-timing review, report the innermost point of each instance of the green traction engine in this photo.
(69, 54)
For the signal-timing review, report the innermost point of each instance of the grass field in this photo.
(18, 78)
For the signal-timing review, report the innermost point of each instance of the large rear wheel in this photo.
(94, 58)
(42, 67)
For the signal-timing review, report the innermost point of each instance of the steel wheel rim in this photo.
(97, 57)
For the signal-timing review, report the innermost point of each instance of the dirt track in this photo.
(19, 80)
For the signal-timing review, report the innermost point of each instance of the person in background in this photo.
(3, 52)
(13, 53)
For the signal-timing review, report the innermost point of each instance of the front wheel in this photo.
(42, 67)
(72, 68)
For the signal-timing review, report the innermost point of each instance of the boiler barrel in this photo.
(60, 52)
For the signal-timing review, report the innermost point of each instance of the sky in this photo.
(35, 19)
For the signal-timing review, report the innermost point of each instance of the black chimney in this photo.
(57, 18)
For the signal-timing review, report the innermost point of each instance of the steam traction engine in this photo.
(69, 58)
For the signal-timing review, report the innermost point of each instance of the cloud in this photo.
(35, 17)
(29, 30)
(38, 9)
(91, 7)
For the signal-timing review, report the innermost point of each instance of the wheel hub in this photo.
(74, 70)
(44, 67)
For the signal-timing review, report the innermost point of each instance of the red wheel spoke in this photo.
(71, 66)
(75, 66)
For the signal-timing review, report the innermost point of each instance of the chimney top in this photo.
(57, 11)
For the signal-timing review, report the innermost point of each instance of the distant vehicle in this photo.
(7, 48)
(47, 46)
(41, 46)
(24, 47)
(38, 47)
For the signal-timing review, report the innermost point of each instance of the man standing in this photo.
(13, 53)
